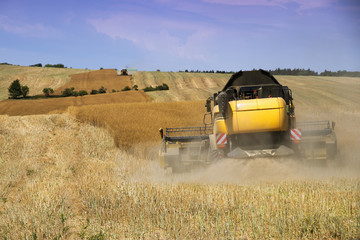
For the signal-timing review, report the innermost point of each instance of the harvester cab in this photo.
(252, 116)
(124, 72)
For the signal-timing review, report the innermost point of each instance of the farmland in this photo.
(91, 171)
(90, 188)
(107, 78)
(44, 106)
(34, 77)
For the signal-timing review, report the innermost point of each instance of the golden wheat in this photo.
(50, 105)
(63, 179)
(132, 123)
(36, 78)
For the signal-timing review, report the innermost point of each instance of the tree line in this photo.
(289, 71)
(16, 90)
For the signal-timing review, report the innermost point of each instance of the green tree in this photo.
(24, 91)
(94, 91)
(15, 89)
(68, 92)
(102, 89)
(83, 92)
(48, 91)
(36, 65)
(127, 88)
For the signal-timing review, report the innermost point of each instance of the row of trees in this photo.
(59, 65)
(162, 87)
(206, 71)
(293, 72)
(340, 73)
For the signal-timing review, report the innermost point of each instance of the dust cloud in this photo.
(250, 171)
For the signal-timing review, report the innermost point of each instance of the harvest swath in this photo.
(91, 173)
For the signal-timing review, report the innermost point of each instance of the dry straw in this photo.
(61, 179)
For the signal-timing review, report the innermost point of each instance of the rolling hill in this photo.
(307, 90)
(36, 78)
(43, 106)
(107, 78)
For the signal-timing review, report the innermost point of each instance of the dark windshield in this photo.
(251, 78)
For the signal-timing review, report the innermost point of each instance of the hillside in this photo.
(183, 86)
(36, 78)
(43, 106)
(307, 90)
(107, 78)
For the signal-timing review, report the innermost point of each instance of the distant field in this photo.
(107, 78)
(44, 106)
(183, 86)
(307, 90)
(35, 78)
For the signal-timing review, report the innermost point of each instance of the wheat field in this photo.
(132, 123)
(307, 90)
(21, 107)
(88, 81)
(91, 172)
(90, 189)
(36, 78)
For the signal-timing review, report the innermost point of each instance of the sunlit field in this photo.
(87, 168)
(66, 179)
(36, 78)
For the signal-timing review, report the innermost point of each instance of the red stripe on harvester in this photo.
(295, 134)
(221, 138)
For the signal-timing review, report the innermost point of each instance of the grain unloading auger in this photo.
(252, 117)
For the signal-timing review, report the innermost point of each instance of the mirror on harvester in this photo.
(208, 105)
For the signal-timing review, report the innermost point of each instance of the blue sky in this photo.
(173, 35)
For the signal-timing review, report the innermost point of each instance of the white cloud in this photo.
(157, 34)
(37, 30)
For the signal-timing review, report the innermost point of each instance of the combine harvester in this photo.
(251, 117)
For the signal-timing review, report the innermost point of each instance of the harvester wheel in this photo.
(216, 155)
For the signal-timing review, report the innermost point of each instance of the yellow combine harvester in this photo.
(253, 116)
